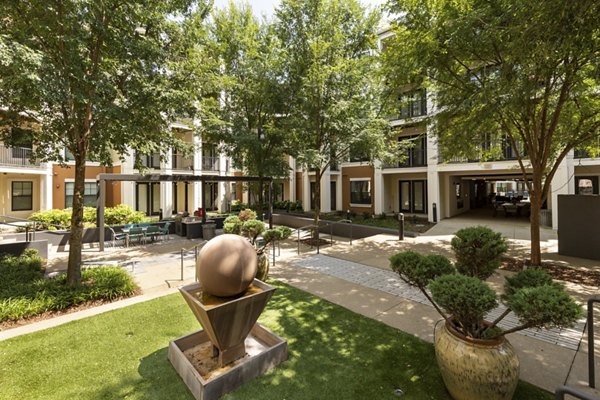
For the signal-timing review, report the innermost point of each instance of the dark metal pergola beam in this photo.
(103, 178)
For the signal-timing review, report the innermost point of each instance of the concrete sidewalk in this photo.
(362, 284)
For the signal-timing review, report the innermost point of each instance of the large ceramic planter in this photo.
(262, 271)
(476, 369)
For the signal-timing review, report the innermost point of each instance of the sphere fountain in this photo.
(227, 301)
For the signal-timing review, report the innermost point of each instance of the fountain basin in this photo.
(228, 320)
(193, 358)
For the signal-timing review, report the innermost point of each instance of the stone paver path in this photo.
(389, 282)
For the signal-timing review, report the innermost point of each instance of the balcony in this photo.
(17, 157)
(210, 164)
(182, 163)
(412, 105)
(493, 150)
(415, 158)
(151, 161)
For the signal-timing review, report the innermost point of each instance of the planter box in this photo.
(265, 351)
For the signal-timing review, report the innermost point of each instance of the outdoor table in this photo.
(126, 232)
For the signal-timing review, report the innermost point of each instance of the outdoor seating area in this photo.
(511, 207)
(139, 234)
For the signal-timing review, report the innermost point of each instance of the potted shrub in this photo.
(246, 224)
(475, 358)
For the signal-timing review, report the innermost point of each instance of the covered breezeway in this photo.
(155, 178)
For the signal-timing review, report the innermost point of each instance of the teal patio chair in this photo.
(136, 234)
(152, 232)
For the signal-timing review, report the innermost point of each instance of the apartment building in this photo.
(27, 187)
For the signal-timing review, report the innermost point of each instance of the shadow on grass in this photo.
(333, 354)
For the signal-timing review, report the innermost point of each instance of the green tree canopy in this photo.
(246, 122)
(329, 63)
(100, 78)
(517, 73)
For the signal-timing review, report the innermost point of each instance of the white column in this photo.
(196, 189)
(378, 189)
(166, 199)
(325, 186)
(562, 183)
(197, 155)
(223, 194)
(292, 164)
(305, 191)
(433, 177)
(46, 182)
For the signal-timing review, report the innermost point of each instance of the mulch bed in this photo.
(557, 271)
(315, 242)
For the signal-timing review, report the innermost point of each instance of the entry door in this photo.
(413, 196)
(333, 195)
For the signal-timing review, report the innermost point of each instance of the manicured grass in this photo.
(24, 292)
(333, 354)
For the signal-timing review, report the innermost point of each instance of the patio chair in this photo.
(136, 234)
(129, 226)
(164, 231)
(117, 236)
(152, 232)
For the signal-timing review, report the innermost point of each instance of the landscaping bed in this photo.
(412, 224)
(25, 293)
(557, 271)
(333, 354)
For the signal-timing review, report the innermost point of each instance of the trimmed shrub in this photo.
(466, 298)
(478, 251)
(418, 270)
(252, 229)
(122, 214)
(247, 215)
(531, 277)
(52, 219)
(232, 224)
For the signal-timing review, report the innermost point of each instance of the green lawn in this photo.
(334, 354)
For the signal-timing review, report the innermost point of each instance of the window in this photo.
(360, 192)
(413, 104)
(22, 196)
(416, 154)
(413, 196)
(89, 194)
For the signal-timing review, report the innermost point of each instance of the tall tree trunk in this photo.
(317, 201)
(261, 196)
(75, 241)
(536, 200)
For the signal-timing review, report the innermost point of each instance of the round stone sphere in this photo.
(226, 265)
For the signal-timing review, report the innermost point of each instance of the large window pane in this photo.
(418, 196)
(405, 196)
(89, 194)
(360, 192)
(22, 196)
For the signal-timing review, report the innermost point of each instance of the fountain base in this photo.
(195, 360)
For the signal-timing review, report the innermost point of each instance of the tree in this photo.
(328, 64)
(100, 77)
(250, 102)
(521, 72)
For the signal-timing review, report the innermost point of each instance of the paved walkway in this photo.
(389, 282)
(358, 277)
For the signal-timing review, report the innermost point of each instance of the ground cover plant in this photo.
(24, 292)
(333, 354)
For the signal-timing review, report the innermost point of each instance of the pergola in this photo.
(103, 178)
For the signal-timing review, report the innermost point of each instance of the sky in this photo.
(266, 7)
